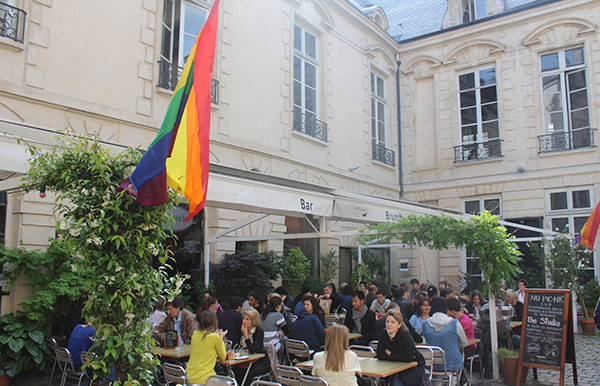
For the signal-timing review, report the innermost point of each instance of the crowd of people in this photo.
(398, 319)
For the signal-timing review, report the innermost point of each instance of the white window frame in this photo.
(471, 10)
(478, 106)
(182, 5)
(304, 60)
(562, 71)
(481, 199)
(377, 99)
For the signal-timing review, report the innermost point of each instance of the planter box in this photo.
(510, 368)
(587, 326)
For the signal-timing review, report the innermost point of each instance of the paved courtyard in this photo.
(587, 354)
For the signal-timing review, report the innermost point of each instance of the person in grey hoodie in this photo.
(443, 331)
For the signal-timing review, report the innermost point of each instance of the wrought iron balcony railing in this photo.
(12, 22)
(308, 124)
(383, 154)
(567, 140)
(478, 150)
(168, 76)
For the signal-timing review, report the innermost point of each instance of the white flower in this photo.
(118, 269)
(89, 241)
(94, 223)
(97, 240)
(73, 268)
(74, 232)
(84, 192)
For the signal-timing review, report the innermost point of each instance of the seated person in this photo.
(157, 315)
(380, 325)
(447, 293)
(360, 319)
(379, 305)
(253, 338)
(405, 305)
(288, 301)
(337, 365)
(272, 322)
(312, 306)
(513, 299)
(178, 319)
(395, 344)
(423, 310)
(330, 294)
(252, 302)
(81, 340)
(475, 304)
(347, 296)
(445, 332)
(308, 328)
(455, 311)
(231, 320)
(208, 294)
(207, 346)
(371, 295)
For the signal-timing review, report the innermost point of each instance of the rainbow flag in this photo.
(589, 231)
(178, 156)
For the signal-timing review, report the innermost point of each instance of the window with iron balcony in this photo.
(378, 122)
(182, 22)
(12, 21)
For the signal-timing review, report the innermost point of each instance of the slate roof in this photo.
(408, 19)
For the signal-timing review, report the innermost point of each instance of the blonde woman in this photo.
(337, 365)
(396, 344)
(253, 338)
(207, 345)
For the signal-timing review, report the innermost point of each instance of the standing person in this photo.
(379, 305)
(252, 339)
(414, 282)
(397, 345)
(180, 320)
(445, 332)
(423, 310)
(329, 293)
(207, 346)
(361, 320)
(231, 320)
(521, 293)
(337, 365)
(312, 307)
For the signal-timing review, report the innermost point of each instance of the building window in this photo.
(478, 102)
(182, 22)
(475, 206)
(12, 21)
(565, 101)
(2, 215)
(473, 10)
(568, 209)
(305, 85)
(380, 152)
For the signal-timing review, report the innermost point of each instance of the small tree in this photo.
(329, 266)
(112, 236)
(296, 268)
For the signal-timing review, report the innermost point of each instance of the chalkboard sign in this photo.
(547, 333)
(171, 339)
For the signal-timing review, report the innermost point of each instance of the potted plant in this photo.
(22, 346)
(509, 360)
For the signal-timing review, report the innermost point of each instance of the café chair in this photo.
(373, 344)
(299, 349)
(220, 380)
(362, 351)
(332, 319)
(471, 359)
(175, 373)
(64, 356)
(52, 345)
(435, 360)
(89, 371)
(307, 380)
(288, 375)
(264, 383)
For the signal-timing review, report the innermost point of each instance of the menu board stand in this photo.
(547, 339)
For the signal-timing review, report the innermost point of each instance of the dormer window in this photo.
(473, 10)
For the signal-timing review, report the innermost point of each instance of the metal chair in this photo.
(288, 375)
(220, 380)
(297, 348)
(64, 356)
(52, 345)
(362, 351)
(435, 358)
(331, 320)
(373, 344)
(307, 380)
(175, 373)
(470, 360)
(89, 371)
(264, 383)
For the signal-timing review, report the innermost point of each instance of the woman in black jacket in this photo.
(252, 339)
(396, 344)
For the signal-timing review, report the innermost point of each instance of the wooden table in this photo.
(471, 342)
(372, 367)
(177, 353)
(251, 358)
(515, 323)
(352, 336)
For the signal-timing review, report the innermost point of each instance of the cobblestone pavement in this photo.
(587, 352)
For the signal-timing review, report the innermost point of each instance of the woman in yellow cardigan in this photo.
(207, 345)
